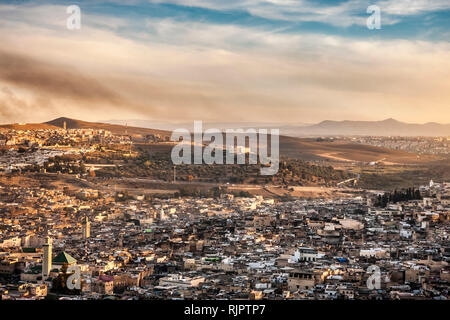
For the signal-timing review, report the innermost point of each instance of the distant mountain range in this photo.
(388, 127)
(206, 125)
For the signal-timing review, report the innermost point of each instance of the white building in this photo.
(304, 254)
(177, 280)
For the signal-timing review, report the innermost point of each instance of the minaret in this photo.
(121, 240)
(47, 258)
(86, 235)
(86, 228)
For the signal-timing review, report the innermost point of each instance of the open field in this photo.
(310, 149)
(150, 187)
(398, 176)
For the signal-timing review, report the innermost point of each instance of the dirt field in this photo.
(309, 149)
(143, 186)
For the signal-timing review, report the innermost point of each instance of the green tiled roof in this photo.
(62, 258)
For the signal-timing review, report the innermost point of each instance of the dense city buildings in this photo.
(419, 145)
(224, 159)
(226, 247)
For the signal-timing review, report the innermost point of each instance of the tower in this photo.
(86, 228)
(47, 258)
(86, 235)
(121, 240)
(65, 125)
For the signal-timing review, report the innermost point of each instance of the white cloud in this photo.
(343, 14)
(413, 7)
(194, 70)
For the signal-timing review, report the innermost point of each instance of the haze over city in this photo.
(289, 61)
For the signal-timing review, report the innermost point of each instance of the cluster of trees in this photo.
(159, 166)
(298, 170)
(398, 196)
(215, 192)
(70, 164)
(195, 192)
(105, 157)
(242, 194)
(64, 165)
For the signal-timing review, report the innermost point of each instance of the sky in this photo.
(283, 61)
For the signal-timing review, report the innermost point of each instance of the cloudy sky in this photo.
(289, 61)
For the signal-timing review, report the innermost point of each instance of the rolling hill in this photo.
(293, 147)
(310, 149)
(27, 126)
(388, 127)
(114, 128)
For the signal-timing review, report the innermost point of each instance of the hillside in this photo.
(28, 126)
(114, 128)
(293, 147)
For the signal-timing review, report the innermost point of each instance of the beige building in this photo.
(301, 280)
(103, 287)
(47, 258)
